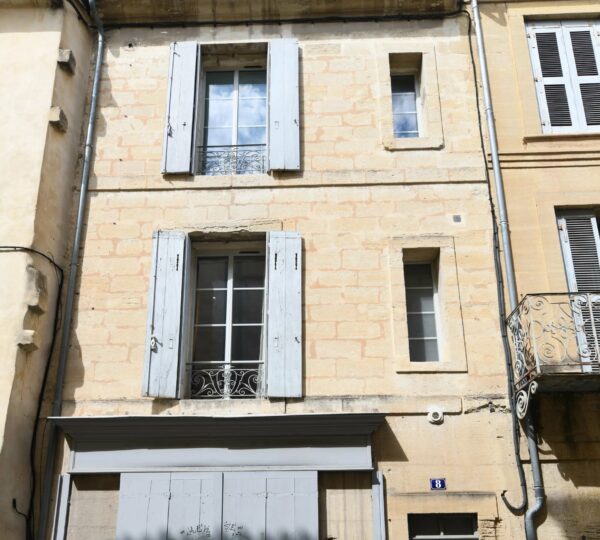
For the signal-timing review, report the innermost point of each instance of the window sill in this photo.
(547, 137)
(417, 143)
(430, 367)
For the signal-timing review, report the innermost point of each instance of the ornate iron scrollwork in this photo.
(240, 159)
(225, 382)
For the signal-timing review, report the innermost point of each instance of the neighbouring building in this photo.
(286, 320)
(544, 62)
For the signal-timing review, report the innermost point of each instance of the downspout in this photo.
(530, 430)
(46, 494)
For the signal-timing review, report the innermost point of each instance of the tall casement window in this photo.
(404, 106)
(419, 280)
(224, 321)
(228, 324)
(235, 122)
(580, 243)
(232, 108)
(566, 61)
(434, 526)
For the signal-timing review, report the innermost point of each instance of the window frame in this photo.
(200, 114)
(571, 80)
(221, 249)
(433, 265)
(441, 535)
(416, 75)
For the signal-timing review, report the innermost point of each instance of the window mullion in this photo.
(234, 127)
(229, 311)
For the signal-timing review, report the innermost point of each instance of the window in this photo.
(228, 325)
(208, 332)
(566, 59)
(235, 123)
(228, 113)
(433, 526)
(404, 106)
(421, 312)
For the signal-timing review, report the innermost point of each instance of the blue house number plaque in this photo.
(437, 484)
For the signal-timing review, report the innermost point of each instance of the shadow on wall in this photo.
(386, 445)
(569, 431)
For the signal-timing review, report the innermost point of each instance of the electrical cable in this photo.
(501, 298)
(30, 514)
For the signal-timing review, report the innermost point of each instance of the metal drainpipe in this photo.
(530, 430)
(72, 282)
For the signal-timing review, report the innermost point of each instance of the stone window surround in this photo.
(419, 60)
(451, 341)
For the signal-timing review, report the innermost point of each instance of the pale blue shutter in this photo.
(143, 506)
(292, 505)
(181, 101)
(195, 506)
(284, 315)
(164, 339)
(284, 105)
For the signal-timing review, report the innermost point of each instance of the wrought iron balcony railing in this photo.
(556, 341)
(238, 159)
(224, 381)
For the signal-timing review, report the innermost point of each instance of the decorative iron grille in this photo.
(553, 334)
(225, 381)
(238, 159)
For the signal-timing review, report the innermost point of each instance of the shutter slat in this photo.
(583, 52)
(284, 315)
(590, 96)
(584, 252)
(558, 104)
(180, 112)
(549, 55)
(284, 105)
(164, 341)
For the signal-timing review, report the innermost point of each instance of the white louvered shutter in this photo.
(165, 342)
(565, 57)
(580, 243)
(178, 142)
(284, 314)
(284, 105)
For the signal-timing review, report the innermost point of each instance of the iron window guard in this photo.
(232, 159)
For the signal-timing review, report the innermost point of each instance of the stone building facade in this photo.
(359, 389)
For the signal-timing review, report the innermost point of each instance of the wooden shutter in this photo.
(164, 341)
(143, 506)
(274, 504)
(284, 105)
(378, 498)
(580, 243)
(565, 58)
(284, 315)
(181, 102)
(195, 505)
(550, 68)
(61, 511)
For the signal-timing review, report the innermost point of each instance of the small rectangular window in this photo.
(404, 106)
(228, 325)
(434, 526)
(421, 312)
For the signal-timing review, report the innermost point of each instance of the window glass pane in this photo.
(245, 343)
(217, 137)
(249, 271)
(210, 307)
(421, 325)
(219, 84)
(211, 273)
(252, 112)
(418, 275)
(253, 135)
(403, 83)
(219, 113)
(419, 300)
(459, 524)
(209, 343)
(423, 350)
(405, 125)
(247, 307)
(404, 103)
(253, 84)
